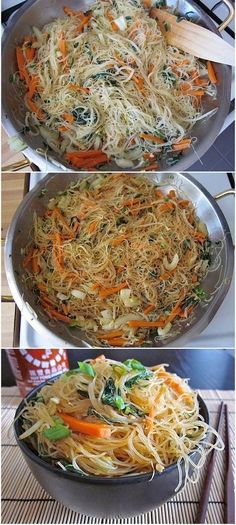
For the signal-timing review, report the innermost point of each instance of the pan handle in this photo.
(223, 194)
(230, 15)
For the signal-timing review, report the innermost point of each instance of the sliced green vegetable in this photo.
(134, 364)
(145, 374)
(86, 368)
(119, 402)
(201, 293)
(57, 432)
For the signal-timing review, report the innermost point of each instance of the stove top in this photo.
(218, 334)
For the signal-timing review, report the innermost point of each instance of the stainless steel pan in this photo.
(40, 12)
(216, 283)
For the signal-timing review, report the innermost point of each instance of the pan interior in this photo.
(215, 284)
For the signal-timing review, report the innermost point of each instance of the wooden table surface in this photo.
(12, 193)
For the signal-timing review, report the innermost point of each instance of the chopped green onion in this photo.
(86, 368)
(134, 364)
(57, 432)
(119, 401)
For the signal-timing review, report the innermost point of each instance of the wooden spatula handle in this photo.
(193, 39)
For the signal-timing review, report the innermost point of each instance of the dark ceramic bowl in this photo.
(103, 497)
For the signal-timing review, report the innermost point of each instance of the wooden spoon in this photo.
(193, 39)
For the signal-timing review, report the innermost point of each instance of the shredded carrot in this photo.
(32, 86)
(149, 309)
(164, 276)
(195, 93)
(24, 75)
(159, 194)
(110, 335)
(92, 226)
(68, 117)
(147, 4)
(119, 240)
(194, 278)
(62, 45)
(42, 287)
(58, 214)
(29, 53)
(183, 203)
(57, 251)
(120, 269)
(201, 82)
(167, 206)
(79, 88)
(171, 194)
(151, 415)
(105, 292)
(211, 73)
(152, 167)
(146, 324)
(200, 237)
(117, 341)
(27, 258)
(35, 262)
(60, 317)
(99, 430)
(183, 144)
(63, 128)
(119, 59)
(176, 309)
(174, 385)
(130, 202)
(34, 108)
(148, 136)
(95, 286)
(70, 12)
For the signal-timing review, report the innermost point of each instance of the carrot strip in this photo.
(147, 4)
(63, 128)
(130, 202)
(159, 193)
(119, 240)
(149, 309)
(105, 292)
(68, 117)
(61, 218)
(194, 278)
(85, 153)
(211, 73)
(62, 45)
(148, 136)
(117, 341)
(201, 82)
(42, 287)
(21, 65)
(171, 194)
(95, 286)
(167, 206)
(28, 257)
(146, 324)
(30, 53)
(183, 203)
(152, 167)
(32, 86)
(195, 93)
(70, 12)
(110, 335)
(34, 108)
(92, 227)
(60, 317)
(183, 144)
(99, 430)
(176, 309)
(120, 269)
(57, 251)
(79, 88)
(119, 60)
(35, 262)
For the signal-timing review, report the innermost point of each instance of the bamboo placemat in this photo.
(24, 501)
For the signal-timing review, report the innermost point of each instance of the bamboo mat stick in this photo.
(202, 509)
(229, 485)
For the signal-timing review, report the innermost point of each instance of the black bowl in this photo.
(103, 497)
